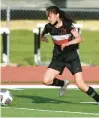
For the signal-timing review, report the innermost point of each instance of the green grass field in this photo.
(22, 47)
(40, 103)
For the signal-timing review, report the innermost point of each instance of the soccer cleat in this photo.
(63, 88)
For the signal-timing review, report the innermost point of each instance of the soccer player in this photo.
(66, 39)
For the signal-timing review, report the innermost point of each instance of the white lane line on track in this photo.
(41, 110)
(39, 86)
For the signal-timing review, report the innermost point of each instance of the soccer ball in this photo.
(5, 97)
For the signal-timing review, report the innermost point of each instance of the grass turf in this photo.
(33, 102)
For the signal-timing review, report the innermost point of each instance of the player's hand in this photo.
(44, 39)
(64, 45)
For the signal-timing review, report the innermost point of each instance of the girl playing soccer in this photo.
(66, 39)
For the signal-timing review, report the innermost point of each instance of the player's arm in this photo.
(77, 39)
(42, 36)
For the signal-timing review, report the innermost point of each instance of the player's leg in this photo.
(56, 67)
(84, 87)
(77, 72)
(49, 78)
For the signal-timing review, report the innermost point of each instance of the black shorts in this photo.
(74, 66)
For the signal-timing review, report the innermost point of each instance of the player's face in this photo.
(52, 17)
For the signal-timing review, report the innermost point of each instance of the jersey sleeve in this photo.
(45, 31)
(73, 27)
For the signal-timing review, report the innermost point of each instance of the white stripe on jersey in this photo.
(61, 37)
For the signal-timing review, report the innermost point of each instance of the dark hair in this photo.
(62, 14)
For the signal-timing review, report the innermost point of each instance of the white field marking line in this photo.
(89, 102)
(39, 86)
(41, 110)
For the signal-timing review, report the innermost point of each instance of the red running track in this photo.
(34, 74)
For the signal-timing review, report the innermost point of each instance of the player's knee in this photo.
(45, 82)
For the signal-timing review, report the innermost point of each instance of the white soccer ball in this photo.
(5, 97)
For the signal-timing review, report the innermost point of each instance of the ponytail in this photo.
(66, 17)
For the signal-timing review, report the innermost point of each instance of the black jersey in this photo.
(59, 36)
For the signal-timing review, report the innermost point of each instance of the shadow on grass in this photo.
(39, 99)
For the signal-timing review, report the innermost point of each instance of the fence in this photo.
(32, 16)
(35, 13)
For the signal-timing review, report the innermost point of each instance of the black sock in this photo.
(91, 92)
(57, 82)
